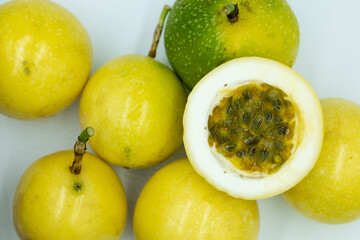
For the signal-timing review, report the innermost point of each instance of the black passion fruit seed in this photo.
(254, 127)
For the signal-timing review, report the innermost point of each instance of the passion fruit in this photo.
(330, 192)
(136, 104)
(253, 128)
(70, 195)
(46, 58)
(178, 204)
(201, 35)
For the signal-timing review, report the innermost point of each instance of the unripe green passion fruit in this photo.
(253, 128)
(200, 35)
(330, 192)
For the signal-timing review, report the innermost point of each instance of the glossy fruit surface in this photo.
(198, 37)
(178, 204)
(46, 58)
(136, 105)
(52, 203)
(330, 192)
(262, 156)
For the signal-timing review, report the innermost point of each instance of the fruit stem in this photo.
(80, 149)
(158, 30)
(231, 11)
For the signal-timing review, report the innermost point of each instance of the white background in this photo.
(328, 58)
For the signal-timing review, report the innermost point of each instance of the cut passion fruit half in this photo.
(253, 128)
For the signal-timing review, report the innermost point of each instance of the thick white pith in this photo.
(219, 172)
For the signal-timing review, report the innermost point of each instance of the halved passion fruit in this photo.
(253, 128)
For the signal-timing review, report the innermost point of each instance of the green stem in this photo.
(158, 31)
(86, 133)
(80, 149)
(231, 11)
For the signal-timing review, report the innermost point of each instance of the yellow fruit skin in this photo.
(46, 58)
(330, 193)
(136, 105)
(46, 205)
(268, 30)
(178, 204)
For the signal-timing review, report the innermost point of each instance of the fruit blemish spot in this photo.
(77, 186)
(27, 71)
(253, 127)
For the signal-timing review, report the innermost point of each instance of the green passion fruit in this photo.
(330, 192)
(199, 36)
(253, 128)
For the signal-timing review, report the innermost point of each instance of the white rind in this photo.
(220, 174)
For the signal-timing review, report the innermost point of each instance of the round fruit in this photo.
(178, 204)
(52, 203)
(136, 105)
(198, 37)
(330, 192)
(253, 128)
(45, 57)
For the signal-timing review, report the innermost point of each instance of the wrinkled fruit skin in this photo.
(198, 37)
(136, 105)
(52, 203)
(330, 193)
(46, 57)
(178, 204)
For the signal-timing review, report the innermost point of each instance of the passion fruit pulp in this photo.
(253, 128)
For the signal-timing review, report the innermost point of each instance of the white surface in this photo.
(328, 59)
